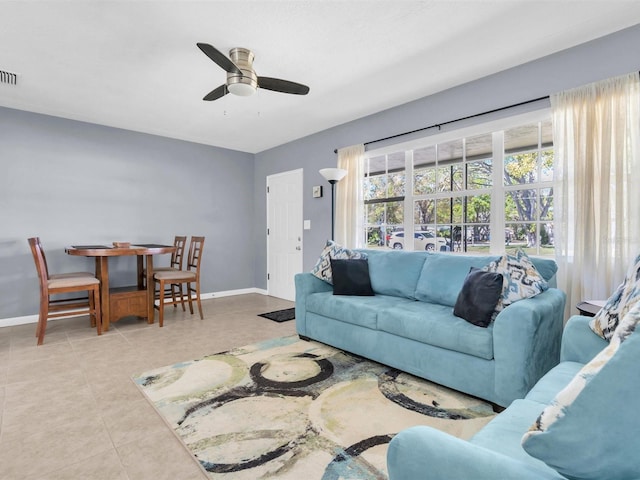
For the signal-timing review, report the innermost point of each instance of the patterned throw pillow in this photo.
(618, 304)
(520, 278)
(560, 422)
(322, 268)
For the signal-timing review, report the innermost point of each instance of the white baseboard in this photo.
(9, 322)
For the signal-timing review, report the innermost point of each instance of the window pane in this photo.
(449, 210)
(424, 212)
(396, 184)
(375, 213)
(521, 205)
(546, 166)
(546, 239)
(479, 174)
(424, 181)
(477, 238)
(478, 208)
(450, 178)
(376, 187)
(546, 204)
(522, 235)
(521, 168)
(375, 236)
(395, 213)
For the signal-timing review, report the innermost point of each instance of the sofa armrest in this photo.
(579, 343)
(424, 453)
(306, 284)
(526, 343)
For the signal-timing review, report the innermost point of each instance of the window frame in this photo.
(498, 190)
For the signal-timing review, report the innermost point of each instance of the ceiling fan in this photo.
(241, 77)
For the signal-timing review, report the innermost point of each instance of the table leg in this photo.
(151, 289)
(102, 272)
(140, 268)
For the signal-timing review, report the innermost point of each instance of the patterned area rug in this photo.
(292, 409)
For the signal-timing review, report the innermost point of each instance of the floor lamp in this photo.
(333, 176)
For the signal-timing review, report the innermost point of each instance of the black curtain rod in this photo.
(439, 125)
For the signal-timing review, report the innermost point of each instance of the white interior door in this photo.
(284, 232)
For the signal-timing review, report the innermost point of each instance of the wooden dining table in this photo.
(134, 300)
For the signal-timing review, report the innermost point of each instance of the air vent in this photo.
(8, 77)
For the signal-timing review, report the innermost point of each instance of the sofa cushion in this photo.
(479, 296)
(395, 272)
(521, 278)
(555, 380)
(322, 268)
(362, 311)
(503, 433)
(547, 268)
(595, 412)
(351, 277)
(623, 299)
(443, 274)
(436, 325)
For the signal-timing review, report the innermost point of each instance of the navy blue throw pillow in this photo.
(351, 277)
(479, 296)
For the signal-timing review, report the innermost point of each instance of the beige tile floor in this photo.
(69, 409)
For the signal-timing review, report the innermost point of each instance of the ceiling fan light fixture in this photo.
(241, 89)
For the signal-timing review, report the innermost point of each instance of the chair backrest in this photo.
(195, 254)
(176, 257)
(40, 261)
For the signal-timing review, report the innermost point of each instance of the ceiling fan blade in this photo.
(220, 58)
(216, 93)
(284, 86)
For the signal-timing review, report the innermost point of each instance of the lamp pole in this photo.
(333, 208)
(333, 176)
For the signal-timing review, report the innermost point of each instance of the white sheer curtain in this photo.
(597, 193)
(349, 215)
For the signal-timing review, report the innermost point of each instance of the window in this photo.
(527, 179)
(384, 193)
(469, 191)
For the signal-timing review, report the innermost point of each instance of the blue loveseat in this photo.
(409, 324)
(597, 439)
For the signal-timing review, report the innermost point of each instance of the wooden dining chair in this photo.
(175, 264)
(64, 283)
(189, 277)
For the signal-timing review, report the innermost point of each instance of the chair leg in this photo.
(180, 285)
(173, 295)
(189, 298)
(42, 318)
(92, 308)
(161, 305)
(198, 299)
(97, 310)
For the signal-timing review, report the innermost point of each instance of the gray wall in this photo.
(603, 58)
(70, 183)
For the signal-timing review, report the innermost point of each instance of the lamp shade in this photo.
(333, 175)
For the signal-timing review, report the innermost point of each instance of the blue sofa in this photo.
(409, 324)
(495, 452)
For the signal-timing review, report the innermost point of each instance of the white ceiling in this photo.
(135, 65)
